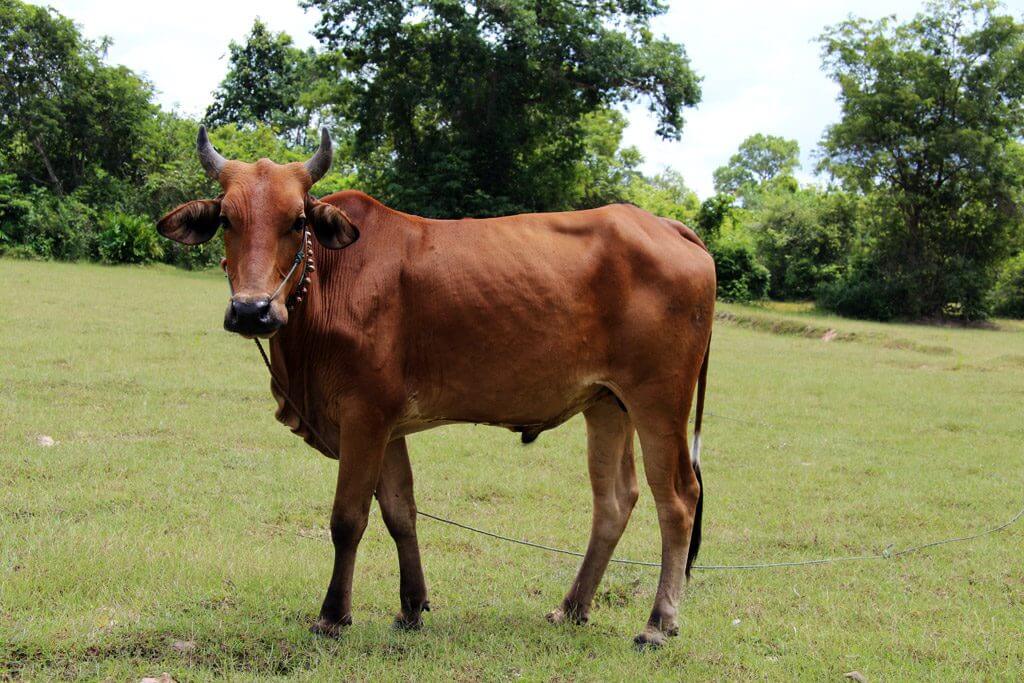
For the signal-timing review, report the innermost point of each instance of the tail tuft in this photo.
(695, 534)
(702, 385)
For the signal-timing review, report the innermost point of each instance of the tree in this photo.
(64, 115)
(605, 171)
(474, 108)
(664, 194)
(713, 214)
(269, 82)
(760, 159)
(930, 112)
(803, 238)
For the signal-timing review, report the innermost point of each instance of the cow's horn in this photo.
(212, 162)
(320, 162)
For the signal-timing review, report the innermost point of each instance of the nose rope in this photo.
(305, 246)
(300, 256)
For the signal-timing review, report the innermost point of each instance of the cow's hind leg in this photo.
(676, 491)
(398, 507)
(613, 480)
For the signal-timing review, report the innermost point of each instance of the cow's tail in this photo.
(702, 385)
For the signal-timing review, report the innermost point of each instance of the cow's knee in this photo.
(631, 496)
(347, 528)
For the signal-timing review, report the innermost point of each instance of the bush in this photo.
(56, 228)
(802, 245)
(196, 257)
(741, 277)
(127, 238)
(1008, 296)
(859, 293)
(14, 206)
(18, 251)
(891, 277)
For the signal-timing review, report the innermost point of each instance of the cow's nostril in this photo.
(244, 315)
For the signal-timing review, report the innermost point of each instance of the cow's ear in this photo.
(332, 226)
(192, 223)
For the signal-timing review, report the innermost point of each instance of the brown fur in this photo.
(520, 322)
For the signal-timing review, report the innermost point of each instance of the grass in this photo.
(173, 509)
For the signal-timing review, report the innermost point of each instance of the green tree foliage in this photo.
(14, 205)
(89, 162)
(478, 108)
(930, 112)
(741, 275)
(802, 237)
(65, 116)
(273, 83)
(713, 214)
(664, 194)
(606, 170)
(126, 238)
(1008, 296)
(760, 160)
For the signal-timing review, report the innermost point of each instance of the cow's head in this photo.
(264, 210)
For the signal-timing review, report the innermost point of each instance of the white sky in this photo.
(760, 65)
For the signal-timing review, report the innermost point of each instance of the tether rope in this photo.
(887, 554)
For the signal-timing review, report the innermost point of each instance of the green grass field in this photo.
(174, 510)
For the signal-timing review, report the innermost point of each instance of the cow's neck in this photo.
(293, 353)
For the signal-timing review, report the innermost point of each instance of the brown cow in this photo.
(519, 322)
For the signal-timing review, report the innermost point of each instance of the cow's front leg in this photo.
(359, 465)
(398, 507)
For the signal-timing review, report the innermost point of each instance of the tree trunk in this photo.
(57, 186)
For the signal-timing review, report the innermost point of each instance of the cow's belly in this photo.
(529, 411)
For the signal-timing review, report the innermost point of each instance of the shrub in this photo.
(889, 277)
(859, 293)
(196, 257)
(14, 206)
(802, 245)
(127, 238)
(1008, 296)
(741, 277)
(57, 228)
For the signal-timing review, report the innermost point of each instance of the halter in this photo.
(303, 256)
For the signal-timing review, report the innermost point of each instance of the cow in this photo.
(387, 324)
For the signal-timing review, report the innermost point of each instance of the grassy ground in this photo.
(173, 509)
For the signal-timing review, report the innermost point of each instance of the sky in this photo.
(759, 61)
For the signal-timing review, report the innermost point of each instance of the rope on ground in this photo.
(887, 554)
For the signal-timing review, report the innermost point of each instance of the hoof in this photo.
(403, 622)
(568, 615)
(410, 618)
(330, 629)
(653, 638)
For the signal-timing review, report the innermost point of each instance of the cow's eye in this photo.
(225, 222)
(300, 224)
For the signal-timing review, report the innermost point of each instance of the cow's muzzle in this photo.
(251, 317)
